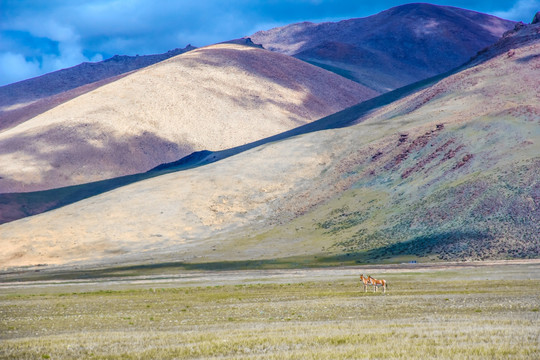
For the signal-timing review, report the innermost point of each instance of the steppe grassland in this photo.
(487, 312)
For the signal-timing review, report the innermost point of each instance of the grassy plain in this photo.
(468, 312)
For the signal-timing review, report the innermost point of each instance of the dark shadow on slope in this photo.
(528, 58)
(446, 246)
(12, 118)
(87, 152)
(36, 274)
(14, 206)
(287, 72)
(335, 69)
(341, 119)
(420, 246)
(454, 244)
(81, 150)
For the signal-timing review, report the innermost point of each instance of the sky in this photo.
(41, 36)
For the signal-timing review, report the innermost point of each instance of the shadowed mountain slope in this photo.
(391, 49)
(448, 172)
(18, 114)
(14, 206)
(17, 100)
(214, 98)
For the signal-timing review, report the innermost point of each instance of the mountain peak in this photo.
(390, 49)
(246, 41)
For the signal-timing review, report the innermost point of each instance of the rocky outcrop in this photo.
(536, 18)
(243, 41)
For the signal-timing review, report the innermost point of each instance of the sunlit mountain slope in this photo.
(448, 172)
(210, 98)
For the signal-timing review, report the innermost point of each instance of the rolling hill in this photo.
(391, 49)
(214, 98)
(25, 99)
(447, 172)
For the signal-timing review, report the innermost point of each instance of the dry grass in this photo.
(438, 166)
(212, 98)
(424, 315)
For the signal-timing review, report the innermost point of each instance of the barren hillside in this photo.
(211, 98)
(449, 172)
(20, 95)
(393, 48)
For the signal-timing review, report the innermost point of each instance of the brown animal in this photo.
(377, 283)
(365, 280)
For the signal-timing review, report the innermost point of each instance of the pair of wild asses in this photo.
(372, 281)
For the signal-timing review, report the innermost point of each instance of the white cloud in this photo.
(14, 67)
(523, 10)
(53, 30)
(70, 55)
(50, 35)
(97, 57)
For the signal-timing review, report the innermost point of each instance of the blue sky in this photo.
(38, 36)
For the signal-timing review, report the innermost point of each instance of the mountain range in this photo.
(25, 99)
(283, 160)
(210, 98)
(391, 49)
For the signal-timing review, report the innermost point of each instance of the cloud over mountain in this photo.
(44, 36)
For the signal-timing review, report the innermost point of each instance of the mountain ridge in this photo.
(28, 98)
(62, 80)
(14, 206)
(446, 173)
(390, 49)
(214, 97)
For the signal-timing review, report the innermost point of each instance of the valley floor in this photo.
(458, 311)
